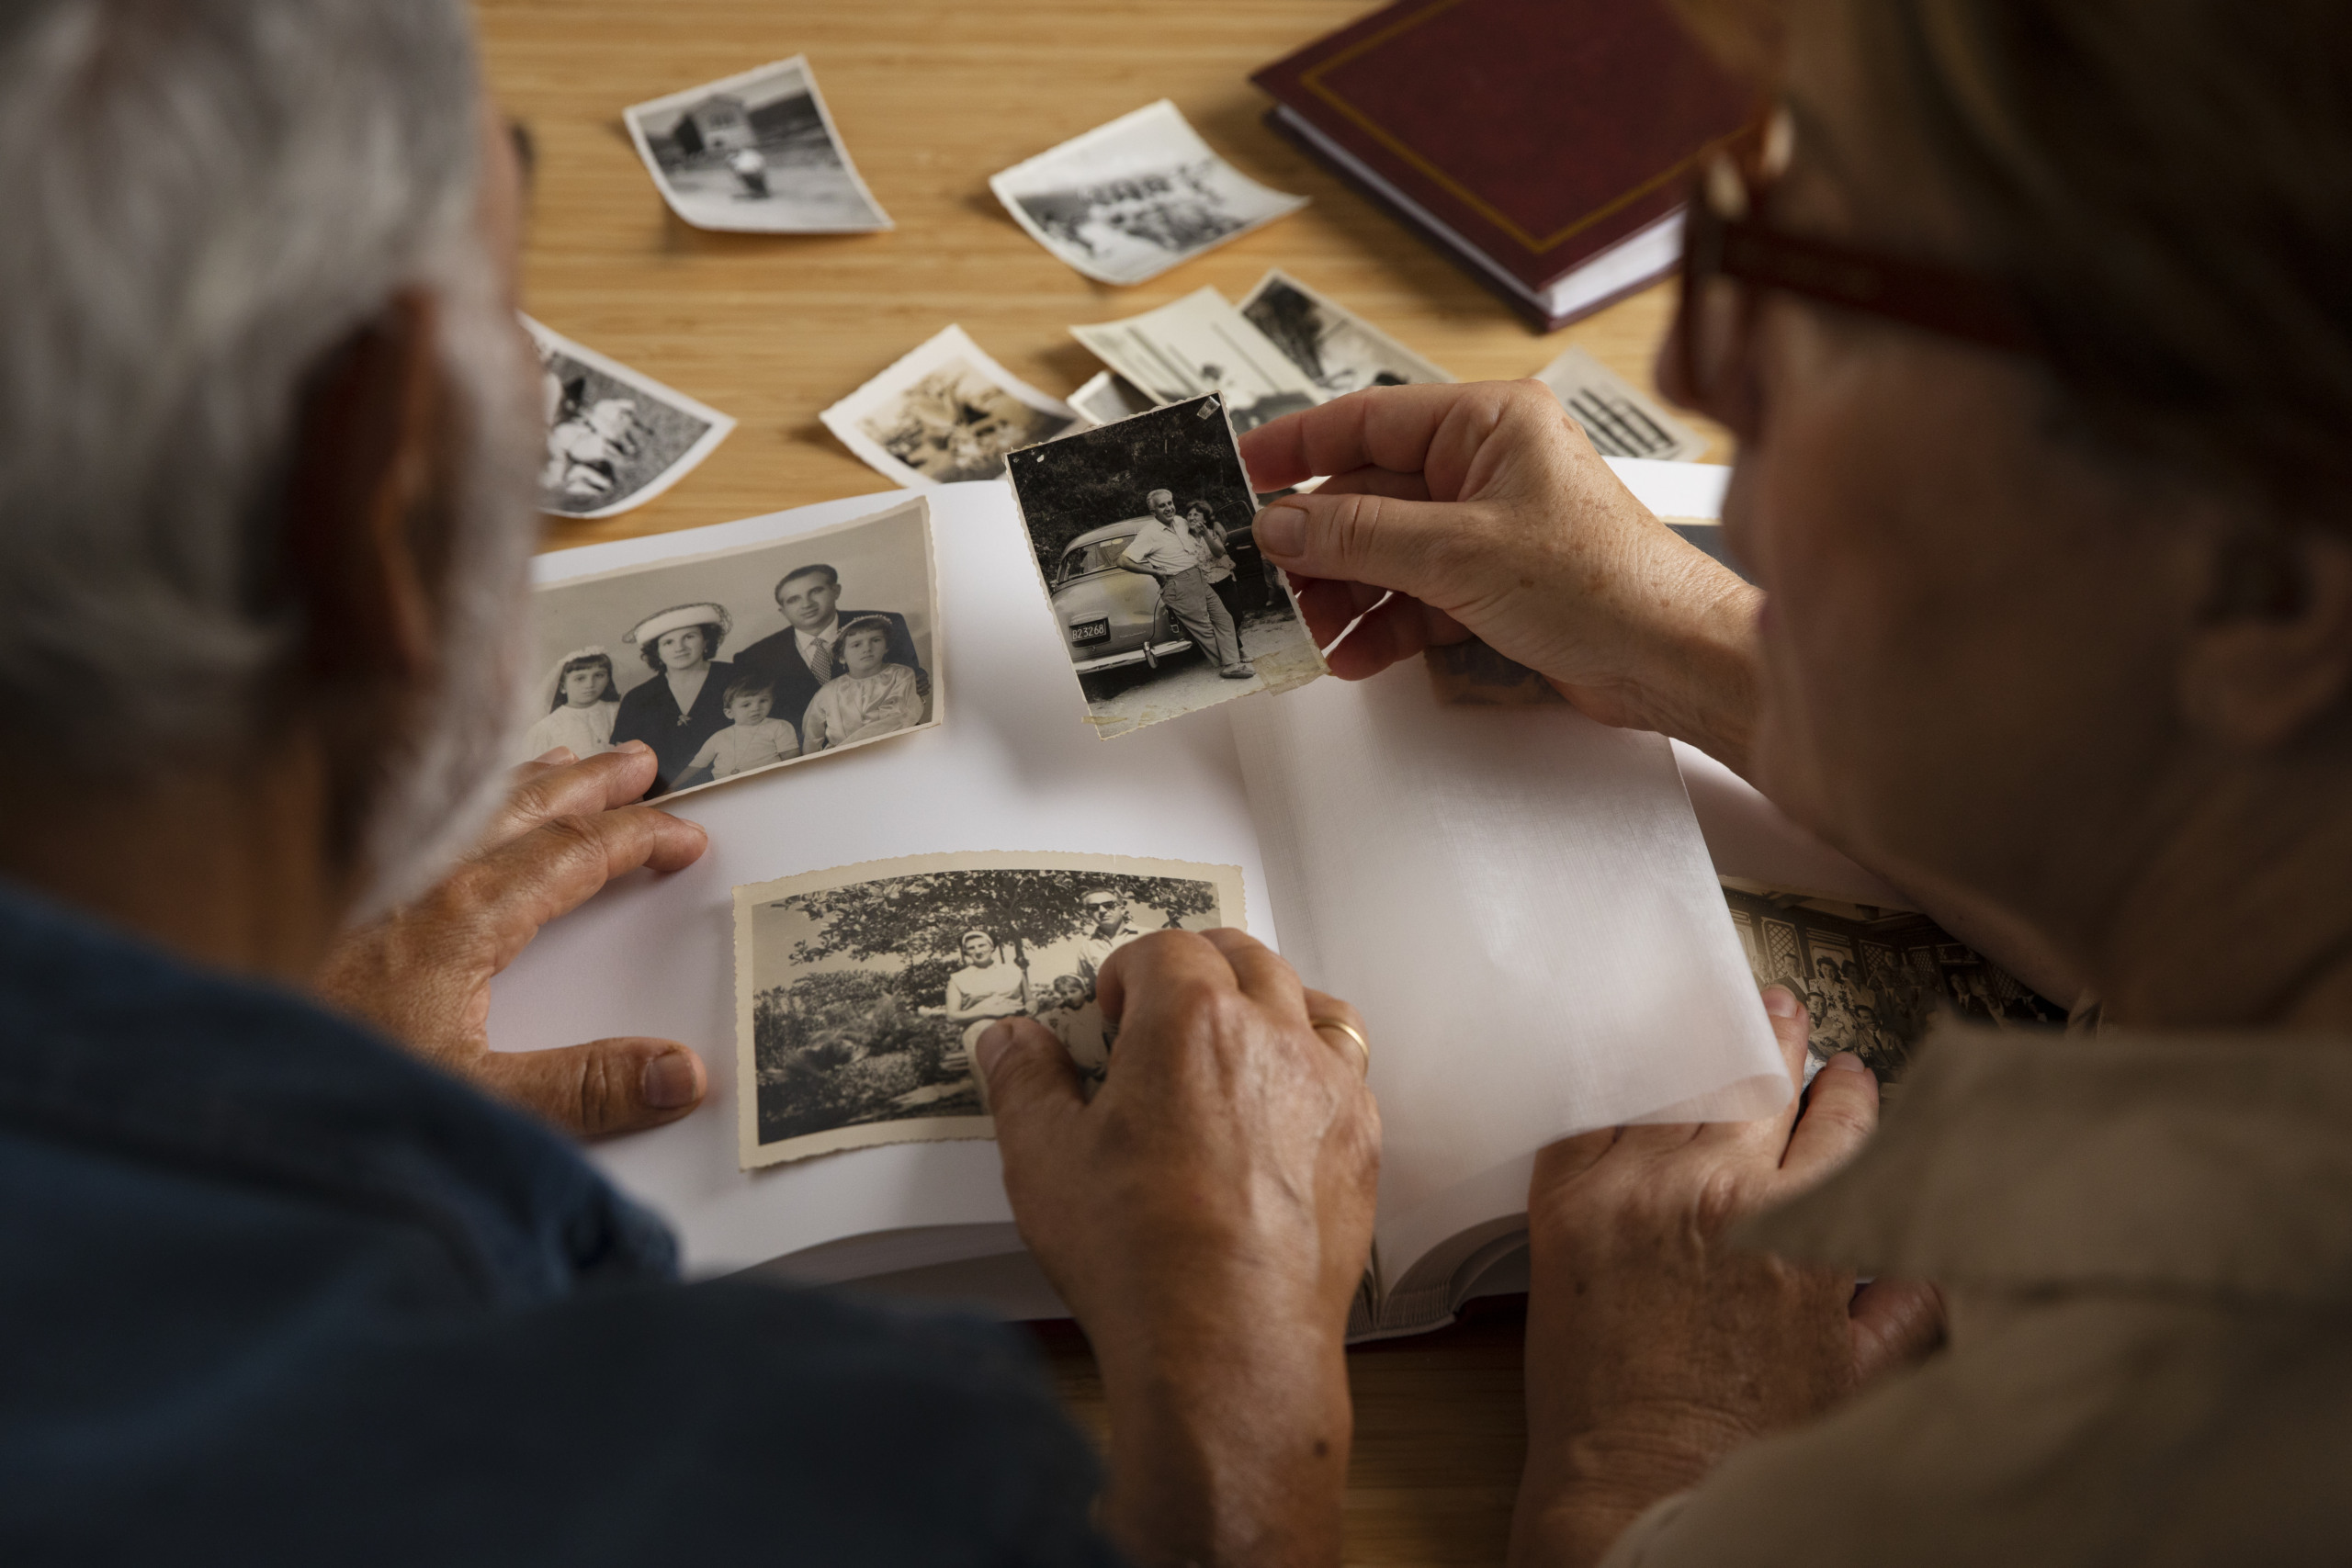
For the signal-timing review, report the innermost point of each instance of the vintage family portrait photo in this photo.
(615, 439)
(1339, 350)
(944, 413)
(756, 152)
(1873, 980)
(1619, 418)
(860, 991)
(1128, 201)
(1201, 343)
(740, 660)
(1143, 534)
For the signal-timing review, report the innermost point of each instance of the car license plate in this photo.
(1096, 630)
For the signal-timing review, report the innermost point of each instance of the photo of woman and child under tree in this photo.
(867, 994)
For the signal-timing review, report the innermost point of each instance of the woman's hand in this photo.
(1208, 1217)
(1653, 1346)
(422, 973)
(1488, 514)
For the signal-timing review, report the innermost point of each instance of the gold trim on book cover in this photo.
(1313, 79)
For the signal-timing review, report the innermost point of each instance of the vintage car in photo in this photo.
(1112, 618)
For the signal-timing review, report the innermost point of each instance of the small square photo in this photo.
(945, 413)
(615, 438)
(756, 152)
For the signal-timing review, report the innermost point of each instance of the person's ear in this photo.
(2272, 655)
(365, 546)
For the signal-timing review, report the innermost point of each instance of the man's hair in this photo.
(713, 634)
(747, 686)
(831, 577)
(203, 200)
(1155, 495)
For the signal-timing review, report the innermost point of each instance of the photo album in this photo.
(1522, 902)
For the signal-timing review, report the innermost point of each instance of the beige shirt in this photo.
(2146, 1242)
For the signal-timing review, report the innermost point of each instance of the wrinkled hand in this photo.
(1488, 514)
(1207, 1215)
(422, 973)
(1653, 1347)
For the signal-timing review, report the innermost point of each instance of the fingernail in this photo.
(1281, 530)
(635, 748)
(670, 1081)
(993, 1044)
(1781, 1002)
(556, 758)
(1847, 1062)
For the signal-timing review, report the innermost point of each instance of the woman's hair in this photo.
(2168, 184)
(650, 648)
(585, 662)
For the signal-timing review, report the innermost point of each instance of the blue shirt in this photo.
(274, 1291)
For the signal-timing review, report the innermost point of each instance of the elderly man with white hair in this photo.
(298, 1269)
(1177, 558)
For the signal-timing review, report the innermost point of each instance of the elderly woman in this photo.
(681, 709)
(2032, 318)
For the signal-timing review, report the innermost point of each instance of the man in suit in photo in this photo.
(807, 653)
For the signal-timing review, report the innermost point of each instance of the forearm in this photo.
(1699, 679)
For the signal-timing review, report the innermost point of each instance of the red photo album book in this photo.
(1548, 144)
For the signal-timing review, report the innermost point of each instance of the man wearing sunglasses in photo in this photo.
(2029, 319)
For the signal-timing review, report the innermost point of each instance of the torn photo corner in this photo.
(943, 413)
(1339, 350)
(1200, 344)
(728, 663)
(755, 153)
(861, 991)
(1127, 200)
(615, 438)
(1144, 540)
(1619, 419)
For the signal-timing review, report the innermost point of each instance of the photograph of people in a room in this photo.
(757, 152)
(740, 660)
(1142, 537)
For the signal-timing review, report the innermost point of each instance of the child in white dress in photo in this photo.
(578, 703)
(755, 740)
(875, 697)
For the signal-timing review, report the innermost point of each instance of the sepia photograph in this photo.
(943, 413)
(1128, 201)
(1874, 980)
(615, 439)
(1108, 398)
(738, 661)
(1339, 351)
(1619, 418)
(756, 152)
(1201, 343)
(1144, 538)
(861, 991)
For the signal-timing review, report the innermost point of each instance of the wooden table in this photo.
(932, 99)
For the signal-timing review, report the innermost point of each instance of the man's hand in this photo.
(1488, 514)
(1208, 1217)
(1653, 1347)
(422, 973)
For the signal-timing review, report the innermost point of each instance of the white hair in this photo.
(198, 202)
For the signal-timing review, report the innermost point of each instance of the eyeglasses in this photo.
(1730, 252)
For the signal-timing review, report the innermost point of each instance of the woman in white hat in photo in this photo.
(685, 705)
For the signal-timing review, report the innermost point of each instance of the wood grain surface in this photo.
(932, 99)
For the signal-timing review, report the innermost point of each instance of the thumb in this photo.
(623, 1085)
(1029, 1082)
(1384, 541)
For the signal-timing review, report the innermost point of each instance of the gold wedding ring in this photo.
(1351, 1030)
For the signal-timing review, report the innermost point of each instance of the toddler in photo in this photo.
(755, 740)
(577, 704)
(875, 697)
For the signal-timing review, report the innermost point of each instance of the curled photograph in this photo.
(861, 991)
(756, 152)
(737, 661)
(1201, 343)
(1128, 201)
(943, 413)
(615, 438)
(1143, 535)
(1339, 351)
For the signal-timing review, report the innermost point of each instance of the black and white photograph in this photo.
(1339, 351)
(1201, 343)
(757, 152)
(861, 991)
(1128, 201)
(615, 438)
(943, 413)
(1144, 536)
(1874, 980)
(1107, 397)
(737, 661)
(1619, 419)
